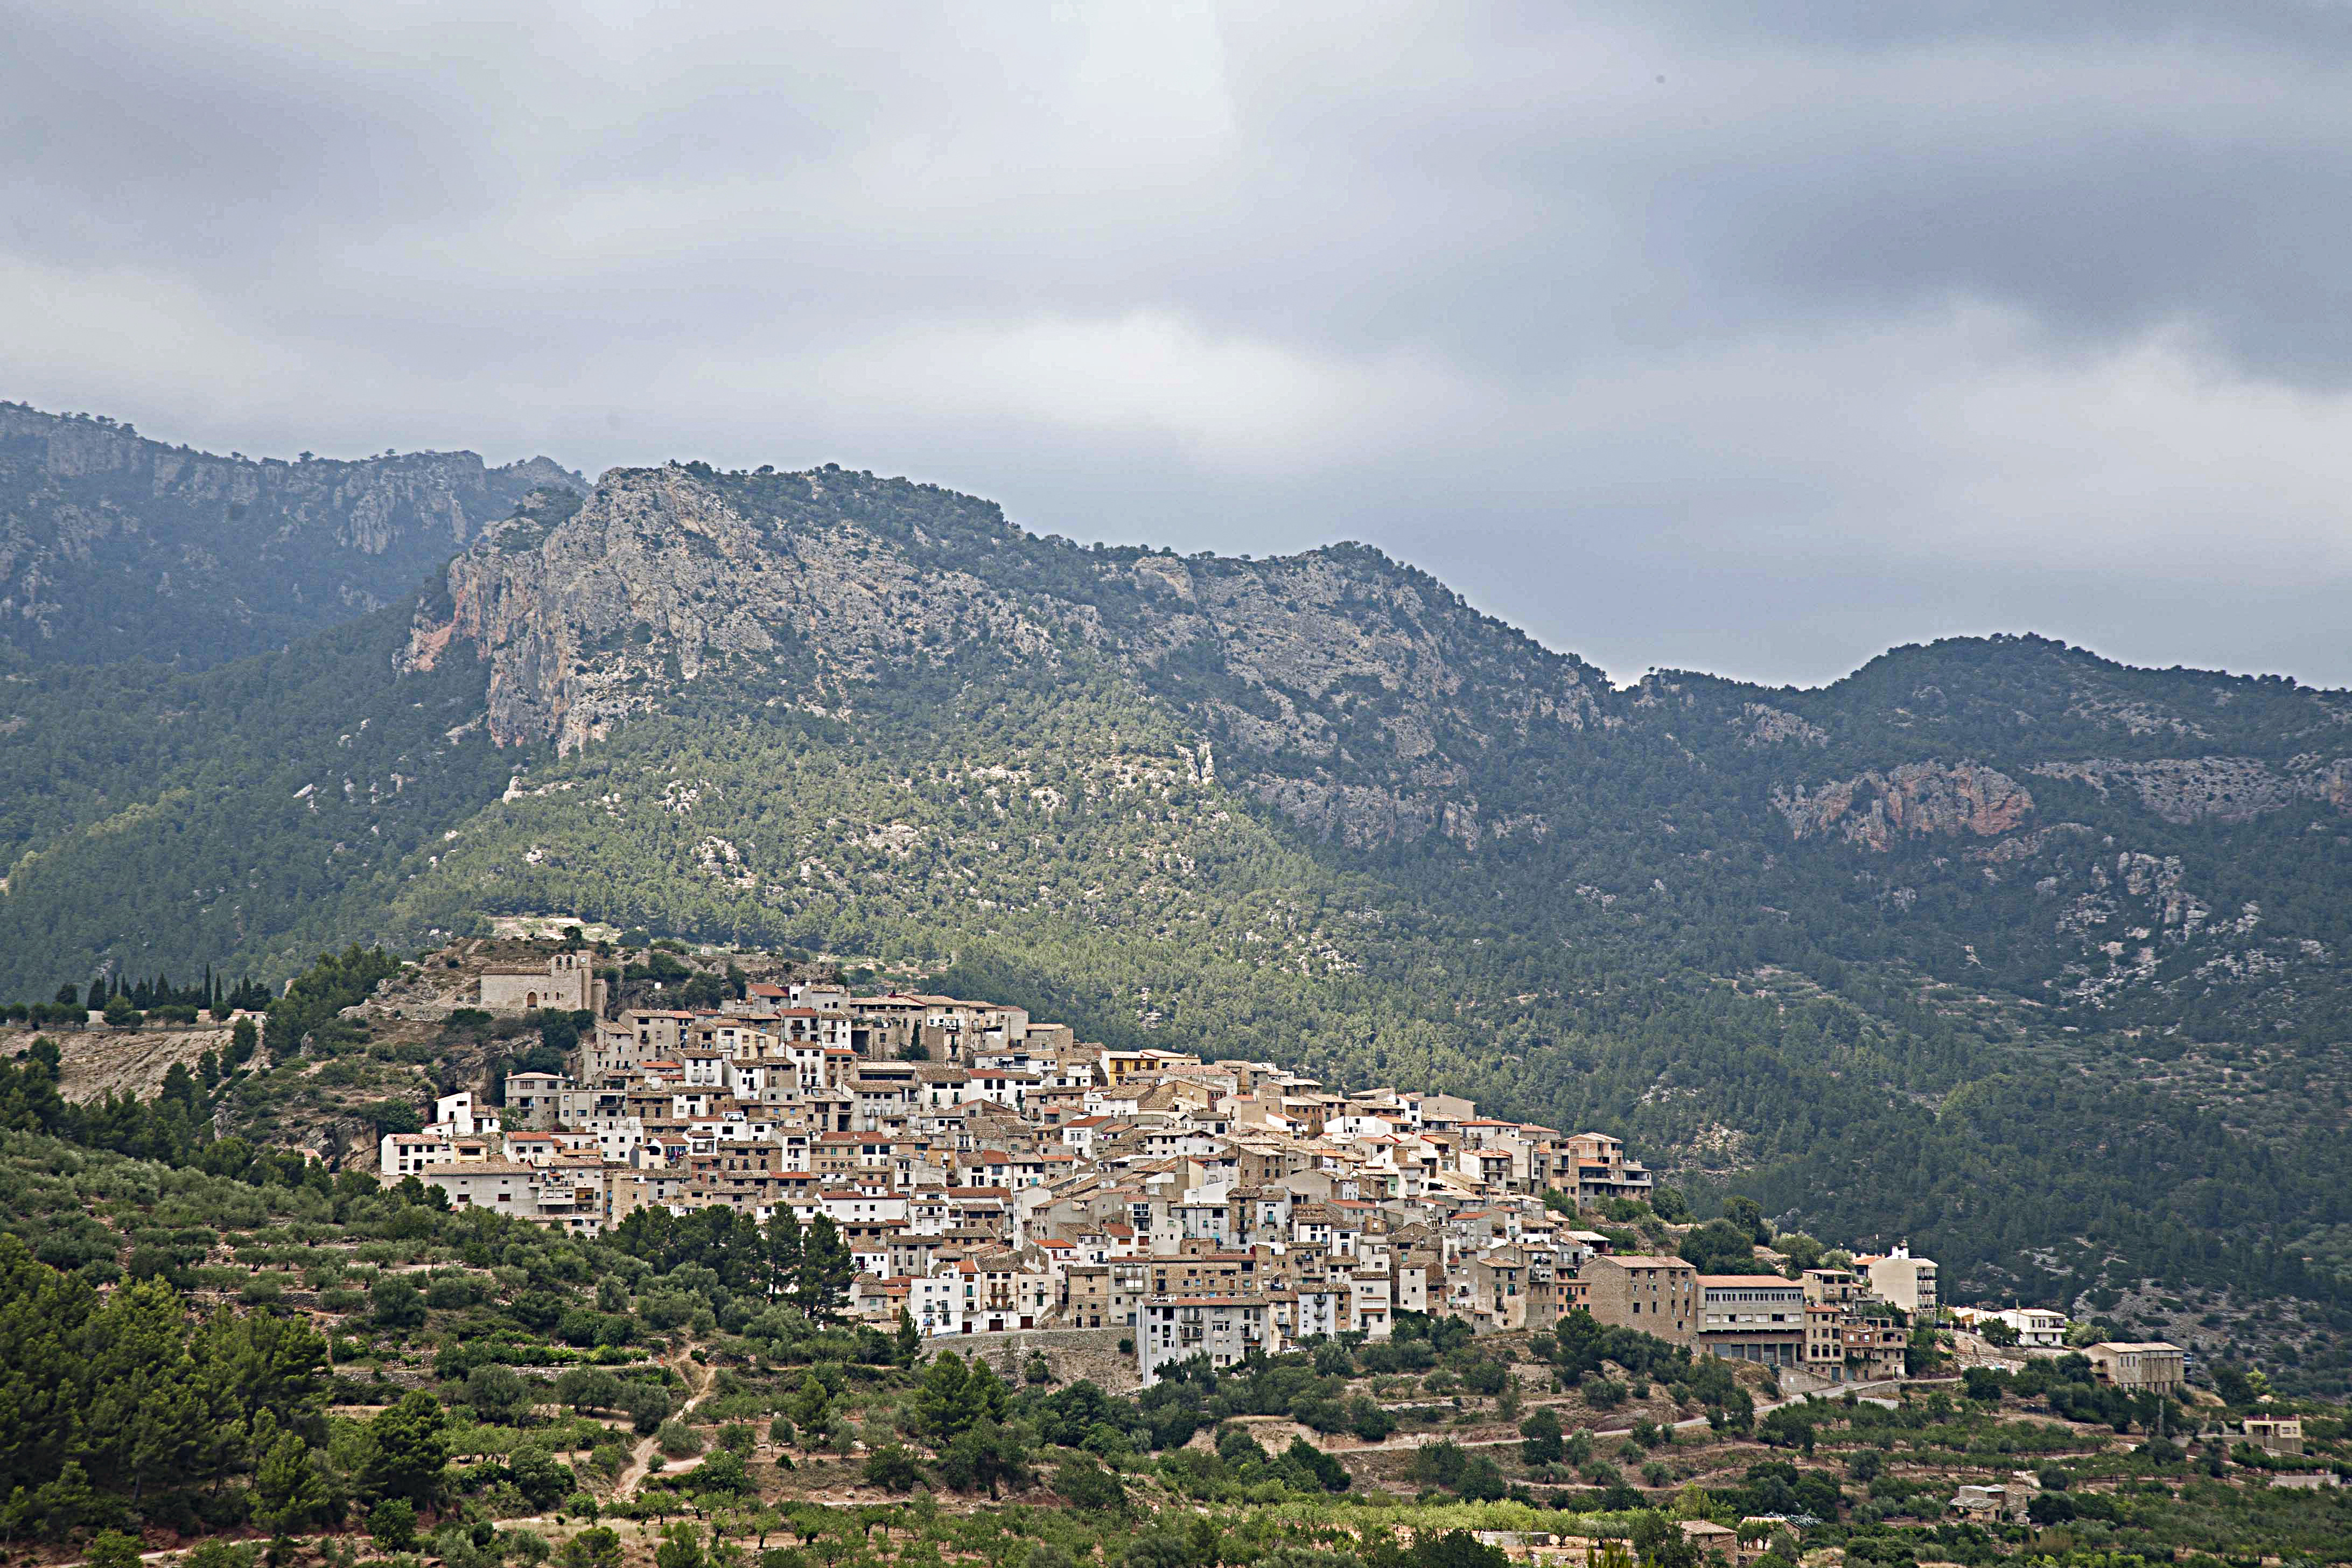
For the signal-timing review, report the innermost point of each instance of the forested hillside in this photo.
(2029, 957)
(114, 547)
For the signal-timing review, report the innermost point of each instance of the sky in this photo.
(1700, 335)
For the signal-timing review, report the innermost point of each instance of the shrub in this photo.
(597, 1547)
(112, 1549)
(215, 1553)
(677, 1440)
(1091, 1487)
(392, 1525)
(893, 1469)
(647, 1405)
(1484, 1377)
(397, 1303)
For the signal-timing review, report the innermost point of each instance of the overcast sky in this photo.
(1678, 334)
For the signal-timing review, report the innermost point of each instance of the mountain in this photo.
(112, 546)
(2027, 956)
(2009, 811)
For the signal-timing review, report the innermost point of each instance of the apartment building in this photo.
(1638, 1290)
(2147, 1366)
(1752, 1317)
(1222, 1328)
(1902, 1280)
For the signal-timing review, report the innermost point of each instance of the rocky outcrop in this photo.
(659, 578)
(1339, 656)
(209, 557)
(1915, 799)
(1363, 817)
(2185, 790)
(2329, 782)
(1356, 815)
(1761, 726)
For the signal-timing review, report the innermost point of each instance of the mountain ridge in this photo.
(113, 545)
(1316, 807)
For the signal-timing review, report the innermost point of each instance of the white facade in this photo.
(1905, 1281)
(1222, 1328)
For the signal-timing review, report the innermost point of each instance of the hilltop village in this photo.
(547, 1226)
(987, 1173)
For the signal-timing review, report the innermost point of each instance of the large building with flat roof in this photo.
(1639, 1290)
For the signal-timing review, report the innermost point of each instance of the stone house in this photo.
(1641, 1290)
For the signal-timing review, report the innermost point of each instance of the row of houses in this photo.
(990, 1171)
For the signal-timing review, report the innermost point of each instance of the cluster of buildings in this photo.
(992, 1172)
(1838, 1324)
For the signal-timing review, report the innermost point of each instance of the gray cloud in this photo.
(1751, 339)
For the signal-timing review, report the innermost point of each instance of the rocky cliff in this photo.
(115, 546)
(1875, 809)
(2184, 790)
(1365, 708)
(1313, 808)
(1359, 697)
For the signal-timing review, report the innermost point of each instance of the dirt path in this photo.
(1424, 1439)
(697, 1382)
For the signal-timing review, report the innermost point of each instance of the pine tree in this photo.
(784, 1245)
(826, 1271)
(943, 1404)
(291, 1491)
(986, 1395)
(810, 1404)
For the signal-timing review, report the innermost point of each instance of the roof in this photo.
(1749, 1280)
(1652, 1260)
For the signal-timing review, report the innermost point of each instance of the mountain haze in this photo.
(113, 546)
(2031, 957)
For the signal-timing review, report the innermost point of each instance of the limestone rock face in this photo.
(1875, 809)
(1346, 690)
(196, 558)
(2185, 790)
(658, 576)
(1766, 726)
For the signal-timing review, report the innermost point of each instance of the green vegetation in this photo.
(1083, 817)
(132, 549)
(548, 1362)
